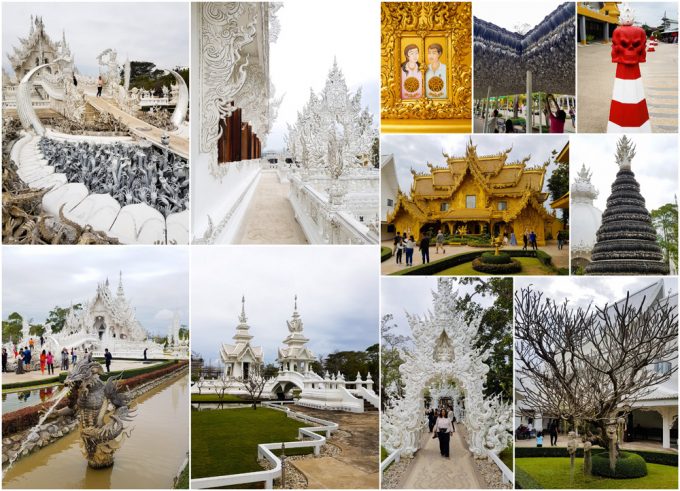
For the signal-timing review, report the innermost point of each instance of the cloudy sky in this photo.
(511, 15)
(655, 165)
(582, 291)
(304, 52)
(417, 150)
(155, 280)
(414, 295)
(156, 32)
(337, 290)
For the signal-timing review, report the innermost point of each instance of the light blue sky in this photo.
(145, 31)
(155, 280)
(337, 290)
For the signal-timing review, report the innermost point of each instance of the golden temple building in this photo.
(476, 195)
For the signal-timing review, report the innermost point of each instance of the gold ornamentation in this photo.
(411, 84)
(449, 20)
(436, 84)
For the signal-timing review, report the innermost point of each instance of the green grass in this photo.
(553, 473)
(506, 457)
(212, 397)
(183, 480)
(224, 441)
(383, 453)
(530, 266)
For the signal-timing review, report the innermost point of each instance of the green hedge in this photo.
(662, 458)
(524, 481)
(491, 258)
(628, 466)
(512, 267)
(31, 383)
(385, 254)
(438, 265)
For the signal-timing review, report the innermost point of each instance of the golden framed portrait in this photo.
(426, 73)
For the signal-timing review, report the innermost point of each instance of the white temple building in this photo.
(586, 216)
(295, 356)
(389, 190)
(240, 356)
(654, 415)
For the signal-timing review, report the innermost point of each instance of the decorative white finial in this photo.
(625, 151)
(295, 307)
(627, 15)
(242, 318)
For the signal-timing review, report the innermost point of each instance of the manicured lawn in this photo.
(212, 397)
(553, 472)
(530, 266)
(183, 481)
(506, 457)
(224, 441)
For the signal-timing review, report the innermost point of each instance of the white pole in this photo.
(540, 113)
(486, 120)
(530, 113)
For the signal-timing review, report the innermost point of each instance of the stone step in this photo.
(28, 176)
(139, 224)
(70, 195)
(97, 210)
(52, 181)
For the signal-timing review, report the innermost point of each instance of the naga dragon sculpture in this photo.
(102, 412)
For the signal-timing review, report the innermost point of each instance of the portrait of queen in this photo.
(411, 76)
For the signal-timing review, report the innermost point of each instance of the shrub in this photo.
(31, 383)
(491, 258)
(385, 254)
(628, 466)
(662, 458)
(512, 267)
(524, 481)
(438, 265)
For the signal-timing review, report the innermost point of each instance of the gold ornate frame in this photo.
(451, 20)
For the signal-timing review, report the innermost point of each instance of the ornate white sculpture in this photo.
(182, 107)
(445, 332)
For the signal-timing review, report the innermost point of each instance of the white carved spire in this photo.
(625, 151)
(121, 292)
(583, 191)
(627, 15)
(242, 318)
(242, 329)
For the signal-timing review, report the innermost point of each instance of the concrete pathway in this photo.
(142, 129)
(429, 470)
(596, 75)
(560, 257)
(357, 464)
(562, 442)
(270, 218)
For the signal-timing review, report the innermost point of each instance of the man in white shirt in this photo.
(435, 77)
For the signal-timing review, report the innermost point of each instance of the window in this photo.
(502, 205)
(390, 202)
(662, 367)
(443, 207)
(361, 218)
(471, 201)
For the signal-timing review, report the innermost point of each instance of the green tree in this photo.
(36, 329)
(558, 185)
(56, 318)
(390, 360)
(11, 328)
(665, 220)
(145, 75)
(495, 329)
(271, 370)
(183, 332)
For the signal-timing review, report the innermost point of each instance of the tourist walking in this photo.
(539, 439)
(408, 248)
(64, 359)
(27, 359)
(513, 239)
(443, 430)
(88, 356)
(572, 115)
(43, 361)
(560, 241)
(31, 344)
(145, 353)
(509, 126)
(525, 240)
(493, 122)
(20, 363)
(75, 81)
(398, 248)
(42, 341)
(431, 419)
(50, 363)
(425, 248)
(107, 359)
(4, 360)
(532, 239)
(440, 242)
(553, 433)
(100, 86)
(74, 356)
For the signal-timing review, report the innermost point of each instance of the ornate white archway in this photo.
(444, 348)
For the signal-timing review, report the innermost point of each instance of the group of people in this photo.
(24, 356)
(529, 240)
(440, 422)
(554, 115)
(553, 431)
(405, 244)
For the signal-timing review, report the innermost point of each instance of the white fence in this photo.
(393, 457)
(508, 476)
(264, 451)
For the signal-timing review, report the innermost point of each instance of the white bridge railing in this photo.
(508, 475)
(264, 450)
(393, 457)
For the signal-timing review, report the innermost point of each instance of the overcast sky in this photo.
(417, 150)
(581, 291)
(512, 14)
(155, 280)
(414, 295)
(304, 52)
(156, 32)
(337, 289)
(655, 165)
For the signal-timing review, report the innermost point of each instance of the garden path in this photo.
(429, 470)
(270, 218)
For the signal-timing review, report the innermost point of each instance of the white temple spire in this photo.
(625, 151)
(242, 318)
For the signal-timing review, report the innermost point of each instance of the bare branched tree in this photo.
(589, 365)
(254, 383)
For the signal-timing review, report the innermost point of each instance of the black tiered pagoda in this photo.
(626, 240)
